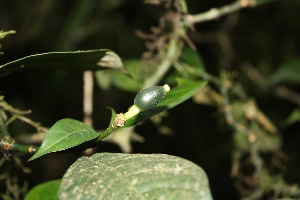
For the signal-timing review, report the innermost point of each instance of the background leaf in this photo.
(134, 176)
(292, 118)
(64, 134)
(192, 58)
(72, 60)
(105, 79)
(191, 62)
(287, 72)
(46, 191)
(127, 83)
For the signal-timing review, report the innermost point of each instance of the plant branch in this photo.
(27, 149)
(88, 87)
(3, 34)
(3, 128)
(280, 90)
(5, 106)
(164, 65)
(88, 82)
(215, 13)
(37, 125)
(172, 52)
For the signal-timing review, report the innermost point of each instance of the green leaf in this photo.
(3, 34)
(122, 81)
(134, 176)
(46, 191)
(184, 90)
(192, 62)
(73, 60)
(292, 118)
(125, 81)
(64, 134)
(113, 115)
(287, 72)
(104, 79)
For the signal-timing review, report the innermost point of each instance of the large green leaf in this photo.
(64, 134)
(73, 60)
(45, 191)
(134, 176)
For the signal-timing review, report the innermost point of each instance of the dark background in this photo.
(264, 36)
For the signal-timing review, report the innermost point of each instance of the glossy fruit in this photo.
(150, 97)
(147, 99)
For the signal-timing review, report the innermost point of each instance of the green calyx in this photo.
(147, 99)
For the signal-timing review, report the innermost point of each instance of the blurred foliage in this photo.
(260, 44)
(287, 72)
(47, 190)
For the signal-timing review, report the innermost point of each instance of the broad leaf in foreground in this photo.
(64, 134)
(134, 176)
(47, 190)
(72, 60)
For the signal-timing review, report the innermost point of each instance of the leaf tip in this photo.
(32, 158)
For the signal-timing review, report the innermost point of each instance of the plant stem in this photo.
(106, 133)
(215, 13)
(3, 128)
(88, 81)
(37, 125)
(3, 34)
(28, 149)
(165, 64)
